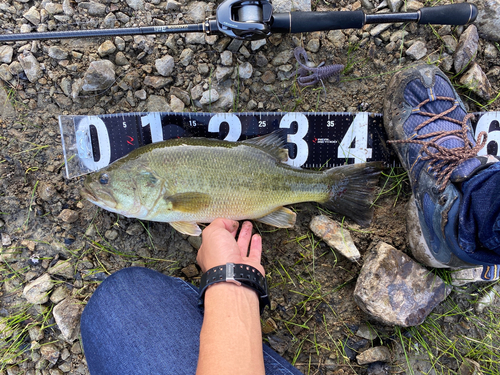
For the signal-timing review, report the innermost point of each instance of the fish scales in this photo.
(243, 181)
(195, 180)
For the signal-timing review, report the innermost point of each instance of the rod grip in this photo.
(452, 14)
(303, 22)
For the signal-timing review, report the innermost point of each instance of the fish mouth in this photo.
(87, 194)
(99, 198)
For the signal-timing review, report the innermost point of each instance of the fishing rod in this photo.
(254, 19)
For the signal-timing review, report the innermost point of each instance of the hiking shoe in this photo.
(431, 133)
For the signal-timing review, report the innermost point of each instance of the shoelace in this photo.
(444, 160)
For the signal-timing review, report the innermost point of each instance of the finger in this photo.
(244, 238)
(230, 225)
(255, 248)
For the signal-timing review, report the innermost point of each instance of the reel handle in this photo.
(300, 22)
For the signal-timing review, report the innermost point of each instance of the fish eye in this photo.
(104, 179)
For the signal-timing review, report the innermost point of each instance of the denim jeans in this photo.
(480, 212)
(140, 321)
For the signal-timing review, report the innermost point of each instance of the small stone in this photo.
(121, 59)
(335, 236)
(176, 104)
(50, 352)
(30, 66)
(488, 299)
(245, 70)
(111, 234)
(6, 53)
(59, 294)
(222, 73)
(190, 271)
(32, 15)
(467, 276)
(469, 367)
(157, 82)
(6, 241)
(313, 45)
(268, 77)
(226, 58)
(67, 316)
(475, 80)
(235, 45)
(197, 11)
(257, 44)
(490, 51)
(141, 94)
(466, 49)
(106, 48)
(417, 50)
(378, 353)
(36, 292)
(450, 43)
(337, 38)
(135, 4)
(165, 65)
(285, 6)
(195, 241)
(282, 58)
(173, 5)
(156, 103)
(181, 94)
(195, 38)
(209, 97)
(36, 333)
(62, 268)
(395, 5)
(135, 229)
(68, 216)
(366, 332)
(46, 191)
(186, 56)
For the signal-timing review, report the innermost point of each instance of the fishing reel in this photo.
(245, 19)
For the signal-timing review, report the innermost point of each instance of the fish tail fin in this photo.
(353, 189)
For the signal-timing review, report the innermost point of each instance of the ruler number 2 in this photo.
(286, 121)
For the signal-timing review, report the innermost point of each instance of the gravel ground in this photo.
(58, 247)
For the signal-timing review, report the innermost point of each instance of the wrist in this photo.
(241, 276)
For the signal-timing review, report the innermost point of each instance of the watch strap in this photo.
(239, 274)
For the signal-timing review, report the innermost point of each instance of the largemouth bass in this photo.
(196, 180)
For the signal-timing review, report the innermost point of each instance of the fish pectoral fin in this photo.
(186, 227)
(281, 218)
(189, 202)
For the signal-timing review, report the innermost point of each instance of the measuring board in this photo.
(314, 139)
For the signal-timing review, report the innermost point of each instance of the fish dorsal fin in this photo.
(189, 202)
(281, 218)
(272, 143)
(186, 227)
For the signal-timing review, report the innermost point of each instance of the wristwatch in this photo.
(239, 274)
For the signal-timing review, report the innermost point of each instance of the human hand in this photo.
(219, 245)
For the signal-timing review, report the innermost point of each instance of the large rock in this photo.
(396, 290)
(488, 19)
(67, 316)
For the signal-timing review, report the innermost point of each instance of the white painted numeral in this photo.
(357, 132)
(232, 120)
(297, 138)
(483, 125)
(84, 143)
(153, 119)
